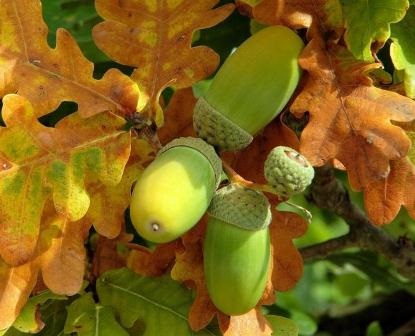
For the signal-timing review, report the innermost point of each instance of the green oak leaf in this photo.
(86, 318)
(402, 50)
(160, 303)
(368, 22)
(282, 326)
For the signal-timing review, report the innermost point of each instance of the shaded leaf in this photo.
(402, 51)
(178, 116)
(350, 120)
(85, 318)
(29, 320)
(49, 76)
(16, 284)
(292, 13)
(368, 24)
(161, 303)
(41, 162)
(155, 38)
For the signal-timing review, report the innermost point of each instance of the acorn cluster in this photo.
(181, 184)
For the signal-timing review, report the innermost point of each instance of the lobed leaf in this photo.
(401, 51)
(292, 13)
(86, 318)
(155, 38)
(251, 323)
(48, 76)
(16, 284)
(160, 303)
(40, 163)
(350, 119)
(368, 24)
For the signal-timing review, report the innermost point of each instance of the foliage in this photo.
(74, 75)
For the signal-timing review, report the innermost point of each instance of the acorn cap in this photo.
(202, 147)
(245, 208)
(287, 171)
(254, 84)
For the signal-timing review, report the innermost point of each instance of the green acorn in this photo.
(287, 171)
(175, 190)
(250, 89)
(237, 249)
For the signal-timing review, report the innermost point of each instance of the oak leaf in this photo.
(49, 76)
(155, 38)
(293, 13)
(39, 162)
(252, 323)
(350, 119)
(16, 284)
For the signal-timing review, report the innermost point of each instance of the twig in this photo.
(328, 193)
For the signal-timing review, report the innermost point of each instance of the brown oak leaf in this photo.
(252, 323)
(350, 119)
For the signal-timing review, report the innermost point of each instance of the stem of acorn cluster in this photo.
(234, 177)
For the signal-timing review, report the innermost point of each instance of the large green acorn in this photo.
(237, 249)
(250, 89)
(175, 190)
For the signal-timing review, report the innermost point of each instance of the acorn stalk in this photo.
(175, 190)
(250, 89)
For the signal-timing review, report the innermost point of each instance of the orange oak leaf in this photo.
(41, 162)
(288, 263)
(152, 263)
(384, 197)
(110, 253)
(63, 263)
(16, 284)
(350, 119)
(48, 76)
(252, 323)
(188, 268)
(293, 13)
(178, 117)
(155, 38)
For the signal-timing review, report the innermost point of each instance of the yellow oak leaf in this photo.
(41, 162)
(155, 38)
(48, 76)
(350, 119)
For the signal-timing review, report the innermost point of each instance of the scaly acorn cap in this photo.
(242, 207)
(203, 147)
(287, 171)
(250, 89)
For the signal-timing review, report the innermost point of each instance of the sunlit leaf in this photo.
(49, 76)
(155, 38)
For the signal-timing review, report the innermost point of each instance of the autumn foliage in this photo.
(66, 187)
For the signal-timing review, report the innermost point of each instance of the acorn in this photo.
(287, 171)
(237, 248)
(175, 190)
(250, 89)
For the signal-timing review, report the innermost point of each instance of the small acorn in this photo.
(175, 190)
(287, 171)
(250, 89)
(237, 248)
